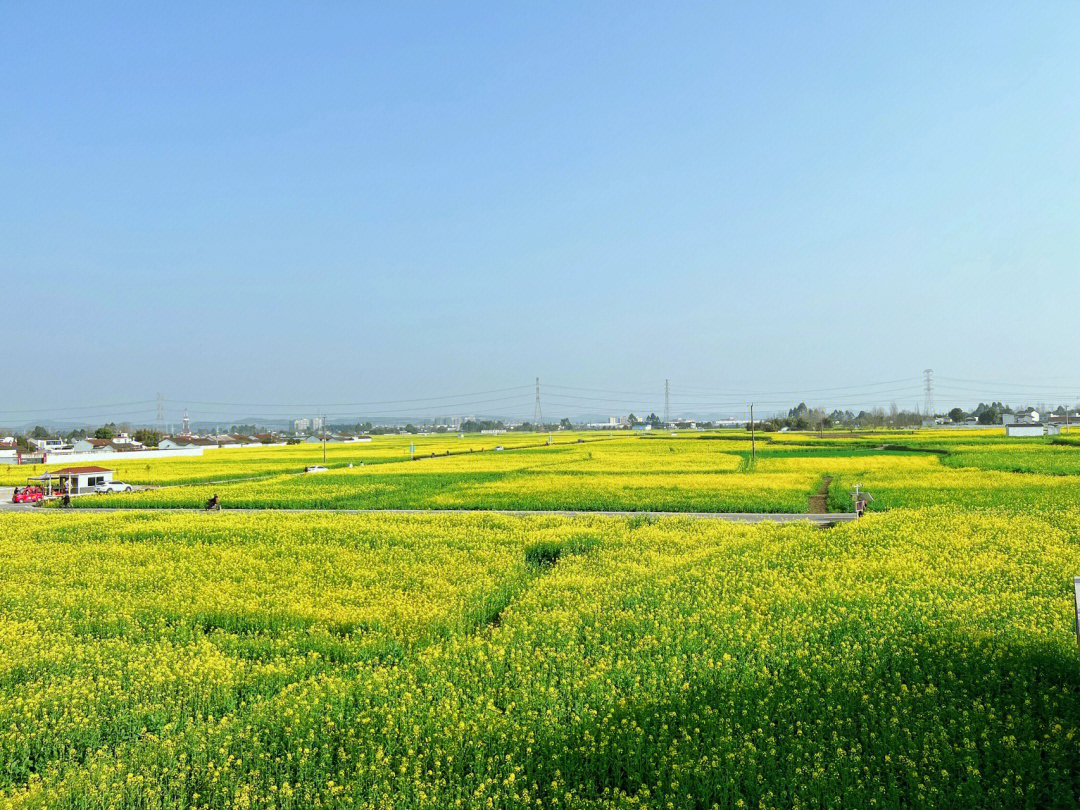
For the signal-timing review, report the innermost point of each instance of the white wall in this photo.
(1025, 430)
(119, 457)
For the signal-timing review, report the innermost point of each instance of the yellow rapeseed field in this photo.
(921, 657)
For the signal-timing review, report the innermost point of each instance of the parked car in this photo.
(315, 468)
(28, 495)
(112, 486)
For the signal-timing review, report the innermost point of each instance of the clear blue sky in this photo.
(315, 203)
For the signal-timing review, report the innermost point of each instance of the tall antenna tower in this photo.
(186, 429)
(928, 402)
(538, 415)
(667, 403)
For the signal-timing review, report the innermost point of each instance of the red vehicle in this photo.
(28, 495)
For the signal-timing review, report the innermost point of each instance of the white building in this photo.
(1037, 429)
(91, 445)
(300, 425)
(1022, 430)
(317, 423)
(1029, 418)
(184, 442)
(49, 445)
(74, 480)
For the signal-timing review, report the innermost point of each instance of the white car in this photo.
(112, 486)
(315, 468)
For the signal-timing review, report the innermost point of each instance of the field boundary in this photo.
(828, 518)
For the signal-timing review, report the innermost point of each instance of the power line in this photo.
(298, 406)
(47, 411)
(800, 391)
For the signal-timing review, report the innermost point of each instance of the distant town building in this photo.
(9, 452)
(317, 423)
(184, 442)
(49, 445)
(94, 446)
(300, 425)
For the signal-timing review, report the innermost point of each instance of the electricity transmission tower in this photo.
(667, 403)
(538, 415)
(160, 416)
(928, 403)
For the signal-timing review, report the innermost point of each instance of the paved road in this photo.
(732, 517)
(7, 506)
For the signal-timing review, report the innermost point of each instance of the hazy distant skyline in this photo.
(359, 203)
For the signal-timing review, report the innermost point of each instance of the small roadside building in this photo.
(1017, 429)
(1020, 429)
(72, 480)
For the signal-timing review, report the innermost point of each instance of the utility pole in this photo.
(323, 423)
(667, 403)
(753, 438)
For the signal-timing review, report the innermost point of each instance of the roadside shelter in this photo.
(72, 480)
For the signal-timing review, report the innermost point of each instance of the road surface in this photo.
(6, 505)
(732, 517)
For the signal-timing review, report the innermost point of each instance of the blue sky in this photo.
(337, 204)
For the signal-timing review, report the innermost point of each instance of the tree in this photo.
(39, 433)
(957, 414)
(566, 424)
(148, 437)
(989, 416)
(632, 420)
(653, 419)
(103, 432)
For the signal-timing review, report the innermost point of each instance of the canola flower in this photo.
(621, 475)
(922, 657)
(225, 463)
(917, 658)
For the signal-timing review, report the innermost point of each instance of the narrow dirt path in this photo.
(819, 503)
(819, 518)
